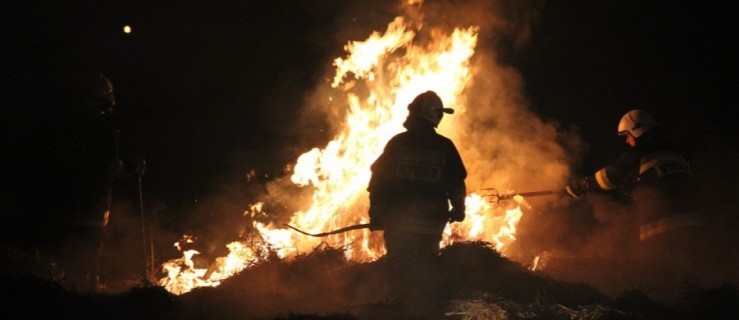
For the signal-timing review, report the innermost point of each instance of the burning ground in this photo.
(475, 282)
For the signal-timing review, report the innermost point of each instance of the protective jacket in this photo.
(418, 174)
(659, 180)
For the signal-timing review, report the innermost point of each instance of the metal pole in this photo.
(531, 194)
(143, 230)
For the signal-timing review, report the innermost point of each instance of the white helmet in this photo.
(636, 122)
(428, 106)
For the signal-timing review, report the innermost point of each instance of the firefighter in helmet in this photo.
(72, 199)
(417, 187)
(414, 181)
(661, 189)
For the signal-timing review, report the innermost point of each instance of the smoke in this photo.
(507, 146)
(506, 23)
(503, 143)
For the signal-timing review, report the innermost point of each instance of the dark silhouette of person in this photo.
(414, 182)
(663, 195)
(73, 162)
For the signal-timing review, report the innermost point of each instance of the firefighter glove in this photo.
(377, 224)
(456, 214)
(577, 187)
(376, 218)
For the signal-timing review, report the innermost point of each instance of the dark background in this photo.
(591, 61)
(208, 91)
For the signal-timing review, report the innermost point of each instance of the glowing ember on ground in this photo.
(393, 67)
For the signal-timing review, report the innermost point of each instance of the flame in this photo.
(485, 222)
(392, 68)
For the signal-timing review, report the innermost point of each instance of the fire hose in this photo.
(328, 233)
(489, 193)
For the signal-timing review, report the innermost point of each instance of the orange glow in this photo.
(395, 68)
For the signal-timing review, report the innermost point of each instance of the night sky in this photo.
(208, 91)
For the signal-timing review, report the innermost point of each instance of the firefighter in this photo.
(68, 205)
(659, 183)
(414, 182)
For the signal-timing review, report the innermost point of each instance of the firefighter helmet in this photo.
(636, 122)
(428, 106)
